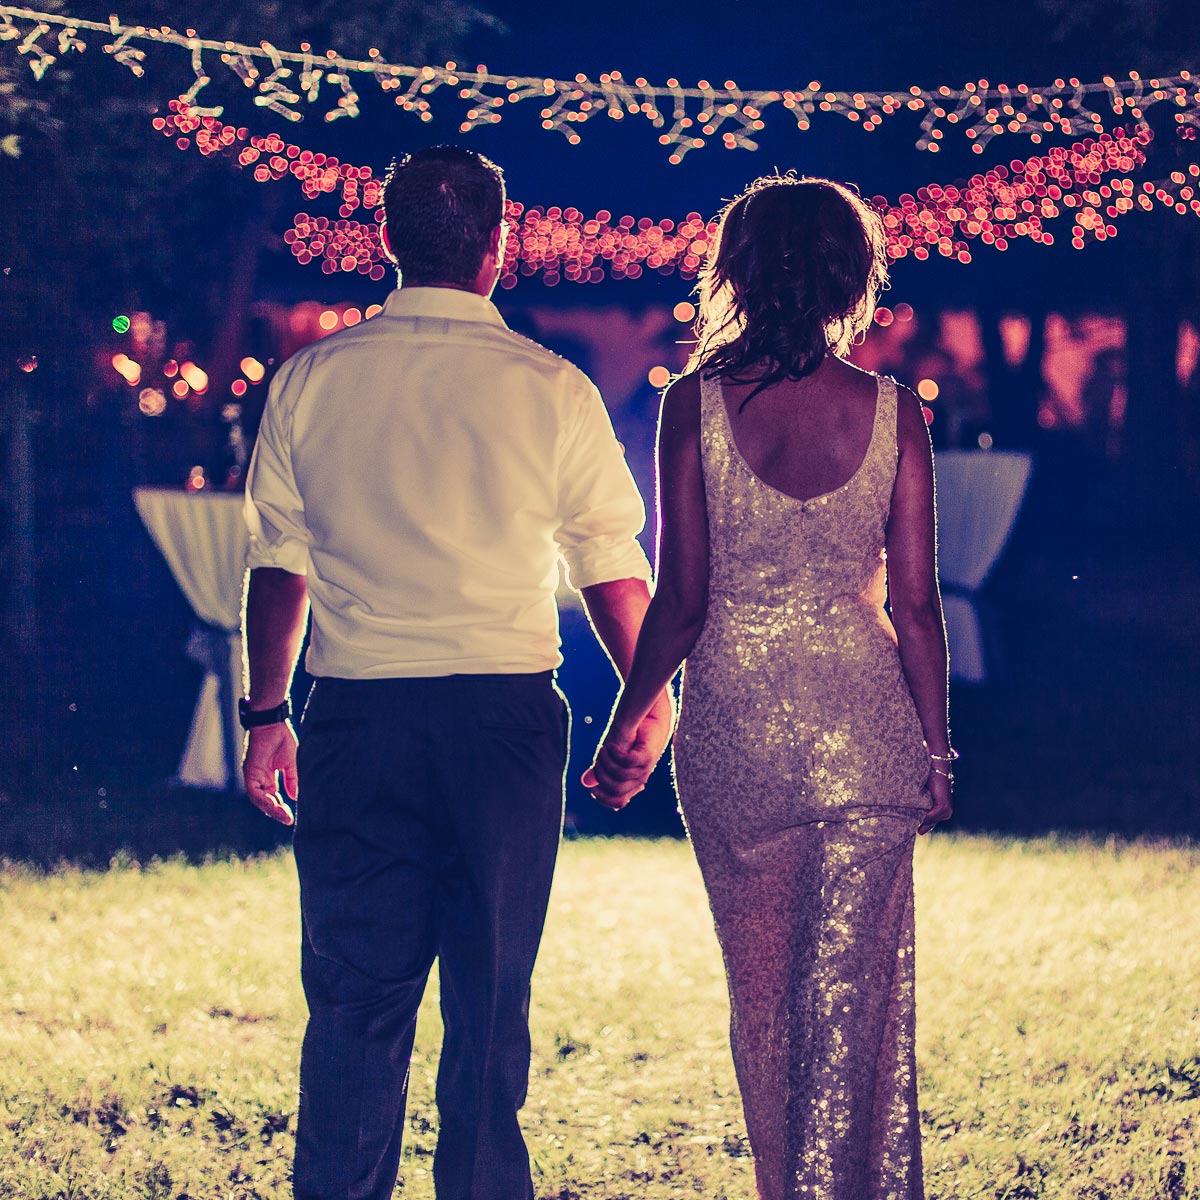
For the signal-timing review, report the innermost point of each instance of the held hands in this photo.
(271, 749)
(628, 753)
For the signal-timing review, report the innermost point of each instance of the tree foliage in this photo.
(104, 214)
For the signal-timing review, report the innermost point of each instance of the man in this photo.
(417, 479)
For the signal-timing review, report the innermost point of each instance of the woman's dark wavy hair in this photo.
(794, 271)
(440, 208)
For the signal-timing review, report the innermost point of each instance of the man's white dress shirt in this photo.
(426, 470)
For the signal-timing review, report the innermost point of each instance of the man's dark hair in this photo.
(440, 208)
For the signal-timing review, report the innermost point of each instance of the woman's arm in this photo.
(680, 604)
(913, 594)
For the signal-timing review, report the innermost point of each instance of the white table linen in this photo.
(979, 495)
(203, 537)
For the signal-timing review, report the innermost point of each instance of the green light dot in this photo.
(121, 323)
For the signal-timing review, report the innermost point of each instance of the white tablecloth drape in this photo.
(979, 495)
(203, 537)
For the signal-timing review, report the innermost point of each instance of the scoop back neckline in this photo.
(741, 458)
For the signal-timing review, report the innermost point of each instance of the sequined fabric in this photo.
(801, 776)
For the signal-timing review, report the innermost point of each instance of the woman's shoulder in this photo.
(912, 419)
(683, 389)
(681, 409)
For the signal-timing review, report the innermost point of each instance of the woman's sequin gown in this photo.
(801, 773)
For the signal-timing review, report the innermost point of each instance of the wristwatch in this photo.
(252, 718)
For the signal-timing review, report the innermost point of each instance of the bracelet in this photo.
(944, 774)
(952, 756)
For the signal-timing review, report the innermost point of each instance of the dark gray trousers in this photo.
(428, 824)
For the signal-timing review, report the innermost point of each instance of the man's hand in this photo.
(626, 757)
(271, 749)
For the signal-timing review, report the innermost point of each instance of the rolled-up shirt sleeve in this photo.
(274, 510)
(601, 508)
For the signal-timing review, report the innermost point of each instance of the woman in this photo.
(812, 746)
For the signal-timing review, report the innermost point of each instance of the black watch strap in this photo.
(252, 718)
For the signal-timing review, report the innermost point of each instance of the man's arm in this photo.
(276, 614)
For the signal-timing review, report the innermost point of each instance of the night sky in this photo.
(622, 167)
(768, 45)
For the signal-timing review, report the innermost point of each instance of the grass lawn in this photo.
(150, 1021)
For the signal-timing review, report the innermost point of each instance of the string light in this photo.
(290, 82)
(1088, 181)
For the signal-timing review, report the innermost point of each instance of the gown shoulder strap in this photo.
(713, 421)
(886, 413)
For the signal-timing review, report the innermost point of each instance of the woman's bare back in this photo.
(805, 438)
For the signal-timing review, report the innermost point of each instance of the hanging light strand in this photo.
(1087, 186)
(290, 83)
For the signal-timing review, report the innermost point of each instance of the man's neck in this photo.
(470, 289)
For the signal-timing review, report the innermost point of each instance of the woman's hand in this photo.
(942, 792)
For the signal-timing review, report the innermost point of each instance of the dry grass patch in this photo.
(150, 1021)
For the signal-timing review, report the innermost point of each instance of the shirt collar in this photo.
(448, 303)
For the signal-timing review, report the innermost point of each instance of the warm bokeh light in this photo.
(170, 368)
(684, 311)
(351, 317)
(152, 402)
(197, 378)
(1085, 185)
(904, 312)
(253, 369)
(180, 389)
(195, 479)
(28, 363)
(884, 316)
(985, 441)
(659, 377)
(329, 319)
(129, 370)
(373, 309)
(927, 413)
(928, 389)
(238, 387)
